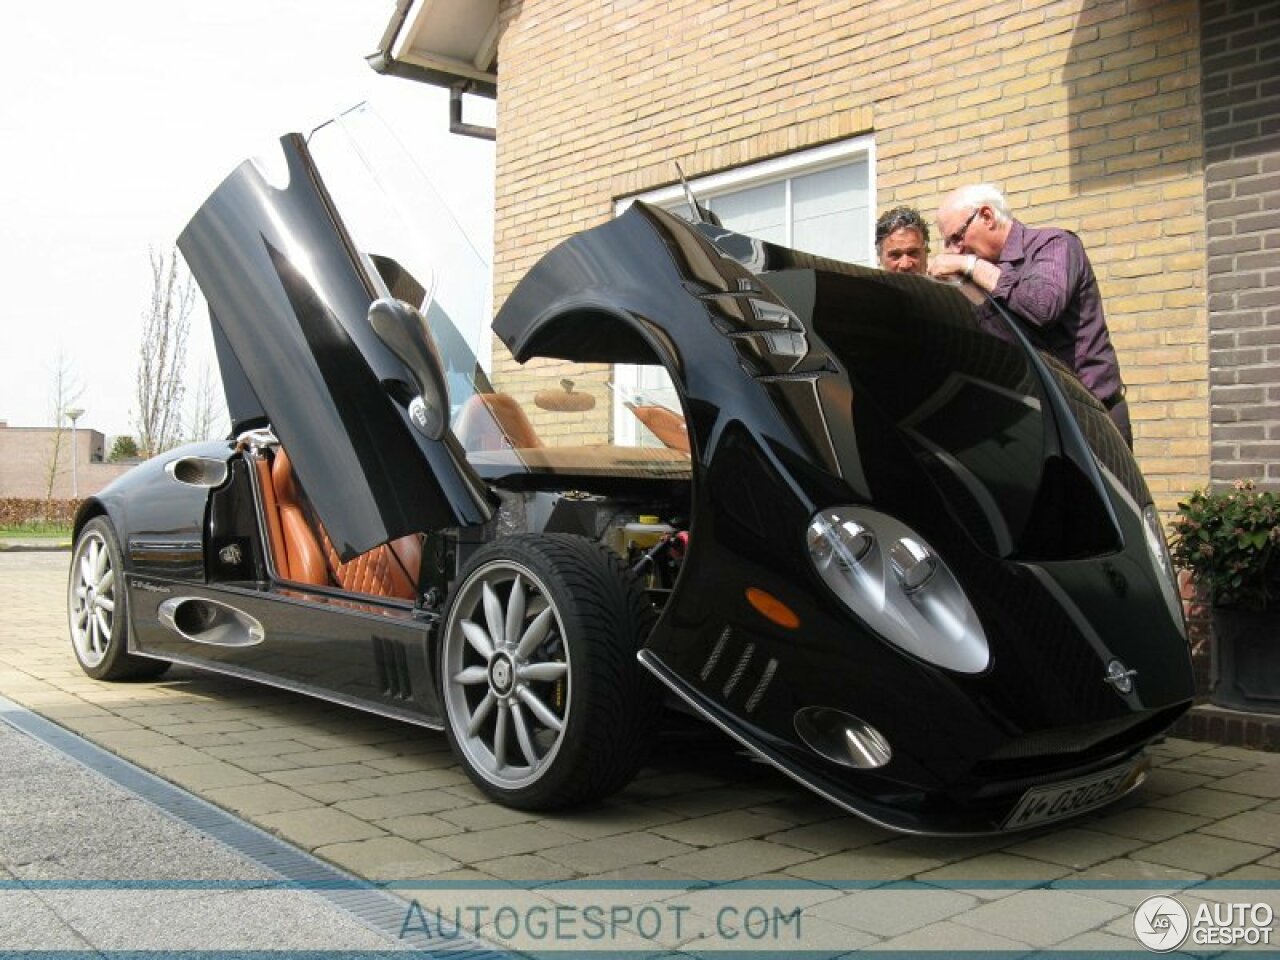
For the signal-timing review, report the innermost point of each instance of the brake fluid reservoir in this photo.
(644, 532)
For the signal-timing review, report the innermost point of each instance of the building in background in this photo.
(1149, 127)
(27, 457)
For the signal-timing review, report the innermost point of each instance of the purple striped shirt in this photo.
(1046, 281)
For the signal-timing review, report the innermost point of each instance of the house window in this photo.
(821, 201)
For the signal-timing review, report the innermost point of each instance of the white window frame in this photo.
(785, 168)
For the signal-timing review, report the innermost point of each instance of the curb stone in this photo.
(34, 545)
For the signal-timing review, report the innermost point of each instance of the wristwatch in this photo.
(968, 270)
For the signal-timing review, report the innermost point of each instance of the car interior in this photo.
(302, 552)
(488, 425)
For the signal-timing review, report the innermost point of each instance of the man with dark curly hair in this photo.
(902, 241)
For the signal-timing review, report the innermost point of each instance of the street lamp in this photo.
(74, 414)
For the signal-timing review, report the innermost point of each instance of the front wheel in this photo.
(545, 702)
(97, 608)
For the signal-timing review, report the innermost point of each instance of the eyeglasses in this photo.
(957, 238)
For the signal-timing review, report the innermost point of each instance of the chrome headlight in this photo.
(1159, 549)
(890, 577)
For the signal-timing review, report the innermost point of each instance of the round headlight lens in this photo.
(835, 539)
(906, 593)
(914, 564)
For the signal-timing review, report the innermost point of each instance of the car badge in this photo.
(1120, 677)
(418, 412)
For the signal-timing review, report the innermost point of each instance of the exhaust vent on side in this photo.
(209, 621)
(198, 471)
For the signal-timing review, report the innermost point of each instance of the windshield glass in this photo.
(541, 418)
(410, 238)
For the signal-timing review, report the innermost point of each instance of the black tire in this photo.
(98, 608)
(570, 658)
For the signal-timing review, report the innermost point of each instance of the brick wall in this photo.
(1087, 113)
(27, 455)
(1240, 48)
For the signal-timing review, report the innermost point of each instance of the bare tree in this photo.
(208, 411)
(163, 354)
(65, 389)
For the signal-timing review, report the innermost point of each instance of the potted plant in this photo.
(1229, 540)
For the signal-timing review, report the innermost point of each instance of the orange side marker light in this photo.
(772, 609)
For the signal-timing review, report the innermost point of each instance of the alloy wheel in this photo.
(506, 669)
(92, 598)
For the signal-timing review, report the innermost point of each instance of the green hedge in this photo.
(22, 511)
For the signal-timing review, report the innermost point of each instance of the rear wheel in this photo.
(97, 608)
(546, 704)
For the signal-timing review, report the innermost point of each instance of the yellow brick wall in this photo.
(1086, 112)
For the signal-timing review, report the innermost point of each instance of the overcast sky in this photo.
(118, 119)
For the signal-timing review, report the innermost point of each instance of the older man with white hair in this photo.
(1043, 277)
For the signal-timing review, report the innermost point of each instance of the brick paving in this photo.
(387, 801)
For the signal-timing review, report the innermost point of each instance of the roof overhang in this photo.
(449, 43)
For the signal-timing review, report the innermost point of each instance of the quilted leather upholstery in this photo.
(304, 553)
(388, 570)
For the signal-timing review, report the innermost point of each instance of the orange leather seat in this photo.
(300, 558)
(389, 570)
(304, 553)
(667, 425)
(494, 421)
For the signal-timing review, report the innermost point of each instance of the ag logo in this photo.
(1161, 924)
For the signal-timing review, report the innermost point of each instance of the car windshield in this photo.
(545, 417)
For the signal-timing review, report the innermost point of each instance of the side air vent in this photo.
(208, 621)
(716, 652)
(734, 668)
(391, 664)
(198, 471)
(739, 668)
(762, 684)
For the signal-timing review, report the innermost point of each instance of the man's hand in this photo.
(964, 270)
(952, 267)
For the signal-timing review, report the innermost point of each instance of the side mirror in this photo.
(404, 331)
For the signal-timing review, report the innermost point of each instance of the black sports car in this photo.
(905, 559)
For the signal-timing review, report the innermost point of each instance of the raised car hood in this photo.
(876, 380)
(809, 385)
(288, 297)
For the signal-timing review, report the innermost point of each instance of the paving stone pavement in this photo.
(86, 866)
(387, 802)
